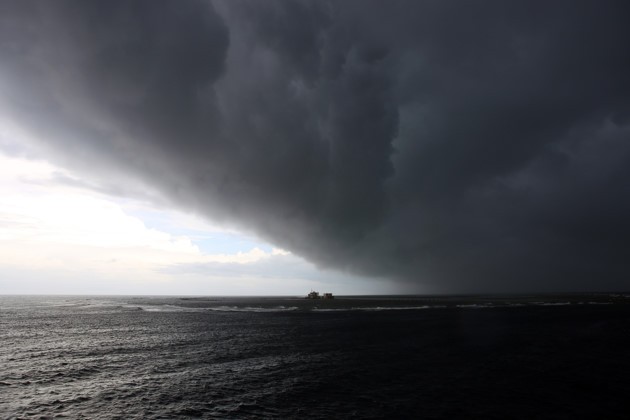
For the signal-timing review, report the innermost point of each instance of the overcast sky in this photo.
(270, 147)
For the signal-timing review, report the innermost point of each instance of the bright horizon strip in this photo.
(61, 239)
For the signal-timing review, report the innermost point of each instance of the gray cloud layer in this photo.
(447, 146)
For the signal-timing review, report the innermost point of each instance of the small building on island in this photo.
(316, 295)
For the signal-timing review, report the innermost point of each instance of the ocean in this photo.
(291, 358)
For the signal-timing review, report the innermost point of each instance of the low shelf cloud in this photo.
(435, 146)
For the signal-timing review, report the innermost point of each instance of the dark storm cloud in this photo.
(448, 146)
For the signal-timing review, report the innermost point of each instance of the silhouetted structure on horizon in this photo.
(316, 295)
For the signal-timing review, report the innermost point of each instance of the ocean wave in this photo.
(222, 308)
(162, 308)
(379, 308)
(251, 309)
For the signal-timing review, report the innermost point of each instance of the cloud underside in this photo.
(441, 145)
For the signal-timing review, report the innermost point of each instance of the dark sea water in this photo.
(389, 357)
